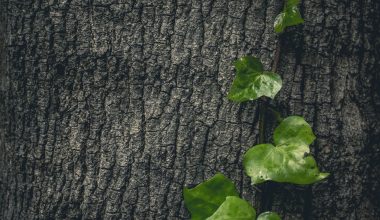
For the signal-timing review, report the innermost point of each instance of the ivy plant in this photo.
(288, 17)
(288, 159)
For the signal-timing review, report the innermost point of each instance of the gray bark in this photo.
(109, 108)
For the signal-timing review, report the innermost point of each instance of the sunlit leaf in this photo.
(285, 163)
(293, 130)
(234, 208)
(268, 216)
(251, 82)
(289, 161)
(203, 200)
(288, 17)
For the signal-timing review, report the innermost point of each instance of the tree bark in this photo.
(109, 108)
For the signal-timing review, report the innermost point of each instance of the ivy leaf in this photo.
(284, 163)
(248, 64)
(293, 130)
(251, 82)
(203, 200)
(288, 17)
(268, 216)
(289, 161)
(234, 208)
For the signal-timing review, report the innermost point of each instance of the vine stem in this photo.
(262, 109)
(277, 55)
(276, 114)
(267, 194)
(263, 102)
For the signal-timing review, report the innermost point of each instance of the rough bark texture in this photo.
(109, 108)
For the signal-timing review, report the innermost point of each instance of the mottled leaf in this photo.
(288, 17)
(251, 82)
(234, 208)
(268, 216)
(289, 161)
(286, 163)
(203, 200)
(293, 130)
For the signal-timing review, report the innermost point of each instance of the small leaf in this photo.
(268, 216)
(251, 82)
(248, 64)
(293, 130)
(234, 208)
(288, 17)
(203, 200)
(279, 23)
(285, 163)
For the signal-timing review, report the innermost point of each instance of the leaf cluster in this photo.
(288, 159)
(217, 198)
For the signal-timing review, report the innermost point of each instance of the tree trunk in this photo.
(109, 108)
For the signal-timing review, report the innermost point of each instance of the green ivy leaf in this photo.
(293, 130)
(289, 161)
(248, 64)
(251, 82)
(288, 17)
(203, 200)
(234, 208)
(285, 163)
(268, 216)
